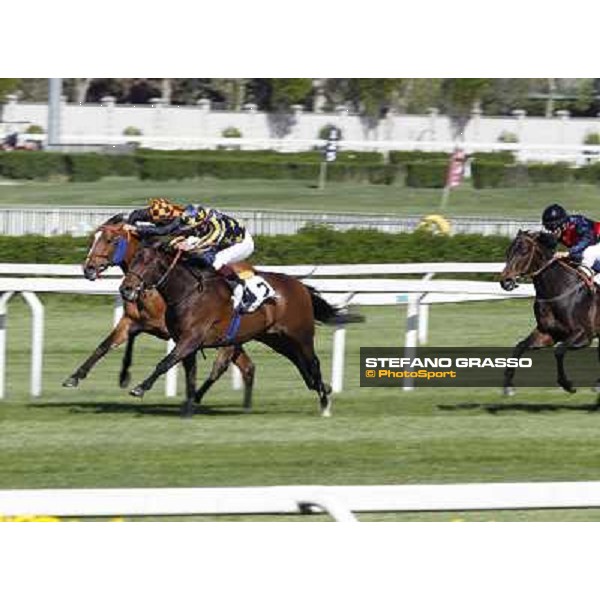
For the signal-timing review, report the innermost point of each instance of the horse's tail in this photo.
(328, 314)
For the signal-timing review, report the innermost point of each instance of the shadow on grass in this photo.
(140, 409)
(500, 407)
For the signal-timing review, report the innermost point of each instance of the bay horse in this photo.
(200, 315)
(112, 245)
(566, 302)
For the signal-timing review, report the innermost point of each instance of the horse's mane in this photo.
(115, 220)
(546, 239)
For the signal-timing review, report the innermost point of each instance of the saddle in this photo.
(590, 277)
(256, 289)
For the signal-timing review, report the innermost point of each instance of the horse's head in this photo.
(109, 246)
(149, 269)
(527, 253)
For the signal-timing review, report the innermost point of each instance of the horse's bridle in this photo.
(525, 272)
(118, 255)
(163, 278)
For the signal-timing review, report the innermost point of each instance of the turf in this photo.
(97, 436)
(525, 202)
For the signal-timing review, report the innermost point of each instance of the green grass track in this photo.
(527, 202)
(98, 436)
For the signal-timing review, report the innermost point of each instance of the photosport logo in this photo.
(471, 367)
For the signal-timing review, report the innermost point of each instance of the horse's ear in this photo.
(546, 239)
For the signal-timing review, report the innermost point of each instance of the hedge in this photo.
(22, 164)
(426, 174)
(495, 174)
(315, 156)
(402, 157)
(158, 168)
(312, 245)
(588, 174)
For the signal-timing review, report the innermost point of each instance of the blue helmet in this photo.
(554, 216)
(193, 215)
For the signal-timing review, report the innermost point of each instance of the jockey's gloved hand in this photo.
(176, 240)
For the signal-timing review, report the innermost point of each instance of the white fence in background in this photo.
(332, 280)
(81, 220)
(340, 502)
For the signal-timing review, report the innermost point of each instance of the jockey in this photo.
(578, 233)
(207, 234)
(221, 240)
(161, 214)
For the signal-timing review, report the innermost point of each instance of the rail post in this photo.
(37, 342)
(3, 308)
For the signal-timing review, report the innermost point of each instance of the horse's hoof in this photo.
(187, 412)
(247, 409)
(568, 387)
(71, 382)
(509, 391)
(124, 380)
(137, 392)
(326, 413)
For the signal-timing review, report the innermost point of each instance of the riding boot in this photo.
(238, 288)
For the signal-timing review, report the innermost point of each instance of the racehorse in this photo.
(200, 315)
(566, 301)
(113, 245)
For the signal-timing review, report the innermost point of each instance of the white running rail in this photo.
(338, 501)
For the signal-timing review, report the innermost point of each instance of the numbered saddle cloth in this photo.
(256, 290)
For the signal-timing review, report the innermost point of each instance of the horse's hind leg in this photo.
(116, 337)
(536, 339)
(307, 363)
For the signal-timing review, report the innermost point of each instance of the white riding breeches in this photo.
(235, 253)
(590, 255)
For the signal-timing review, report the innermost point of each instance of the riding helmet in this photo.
(162, 209)
(554, 216)
(193, 215)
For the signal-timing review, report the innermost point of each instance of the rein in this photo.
(163, 277)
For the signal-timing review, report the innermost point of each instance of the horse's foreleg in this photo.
(182, 348)
(116, 337)
(536, 339)
(224, 358)
(189, 364)
(579, 340)
(125, 375)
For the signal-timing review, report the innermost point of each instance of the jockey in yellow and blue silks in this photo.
(577, 233)
(218, 240)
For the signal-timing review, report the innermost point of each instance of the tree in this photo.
(459, 97)
(280, 96)
(7, 86)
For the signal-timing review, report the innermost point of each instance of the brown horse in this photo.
(566, 302)
(112, 245)
(200, 315)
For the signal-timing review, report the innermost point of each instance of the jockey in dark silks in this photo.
(576, 232)
(210, 237)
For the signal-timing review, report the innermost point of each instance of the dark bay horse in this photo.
(112, 245)
(566, 301)
(200, 315)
